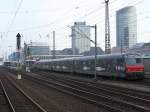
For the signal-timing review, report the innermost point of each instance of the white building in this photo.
(36, 49)
(80, 38)
(126, 24)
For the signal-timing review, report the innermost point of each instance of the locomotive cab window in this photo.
(133, 61)
(130, 61)
(138, 60)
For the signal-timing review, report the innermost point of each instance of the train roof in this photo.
(87, 57)
(146, 57)
(78, 58)
(49, 60)
(30, 60)
(10, 61)
(108, 55)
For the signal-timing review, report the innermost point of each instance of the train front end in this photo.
(134, 67)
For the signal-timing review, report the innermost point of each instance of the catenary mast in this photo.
(107, 29)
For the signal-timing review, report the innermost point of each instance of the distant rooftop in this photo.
(37, 44)
(79, 23)
(140, 45)
(126, 9)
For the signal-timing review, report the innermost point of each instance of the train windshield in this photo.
(133, 61)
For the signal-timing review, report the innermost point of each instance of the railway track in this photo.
(71, 91)
(110, 103)
(5, 104)
(55, 101)
(141, 100)
(19, 101)
(99, 85)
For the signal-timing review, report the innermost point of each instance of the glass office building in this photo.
(126, 27)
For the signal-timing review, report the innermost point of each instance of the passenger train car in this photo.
(10, 64)
(146, 62)
(29, 64)
(127, 66)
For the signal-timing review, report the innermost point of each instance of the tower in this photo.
(107, 29)
(126, 27)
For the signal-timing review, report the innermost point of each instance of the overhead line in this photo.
(115, 15)
(112, 15)
(81, 33)
(14, 17)
(46, 25)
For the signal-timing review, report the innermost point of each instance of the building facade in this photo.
(142, 48)
(92, 52)
(16, 56)
(126, 27)
(80, 38)
(36, 48)
(13, 56)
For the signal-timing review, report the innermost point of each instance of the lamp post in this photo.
(95, 76)
(54, 52)
(95, 43)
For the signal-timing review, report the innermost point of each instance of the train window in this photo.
(120, 61)
(130, 61)
(87, 62)
(138, 60)
(99, 62)
(114, 61)
(84, 63)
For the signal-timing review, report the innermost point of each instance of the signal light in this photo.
(18, 41)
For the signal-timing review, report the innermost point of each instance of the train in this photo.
(10, 64)
(128, 66)
(146, 62)
(26, 65)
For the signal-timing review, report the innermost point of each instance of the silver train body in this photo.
(10, 64)
(146, 62)
(113, 65)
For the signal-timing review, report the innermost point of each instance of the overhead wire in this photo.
(136, 3)
(47, 25)
(81, 33)
(9, 24)
(132, 3)
(140, 1)
(95, 10)
(44, 25)
(55, 21)
(14, 17)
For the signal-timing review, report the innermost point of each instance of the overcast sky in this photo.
(35, 19)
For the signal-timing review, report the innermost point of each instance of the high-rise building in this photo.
(80, 38)
(126, 24)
